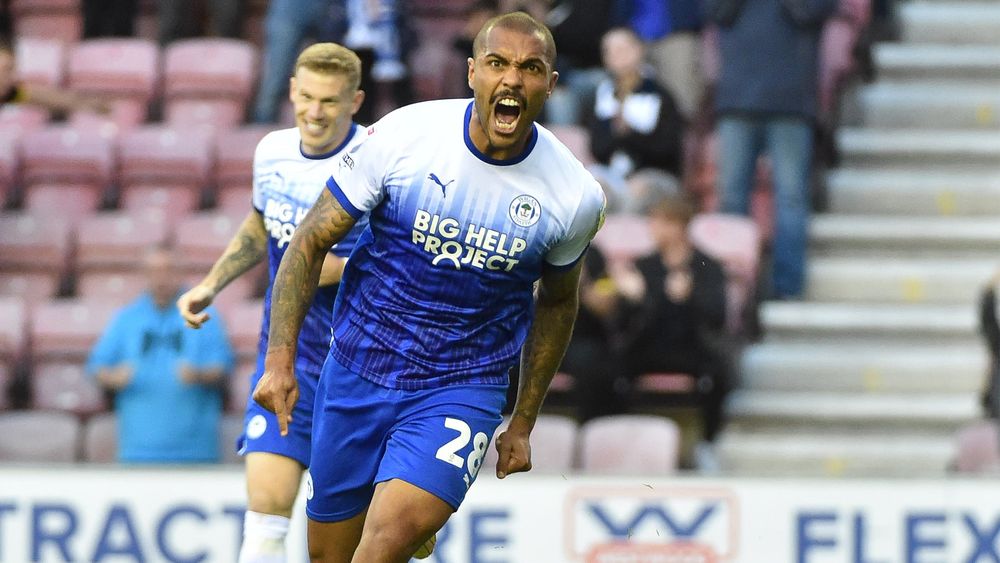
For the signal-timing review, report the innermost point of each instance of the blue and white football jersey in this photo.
(439, 287)
(286, 184)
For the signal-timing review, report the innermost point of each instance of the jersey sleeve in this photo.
(357, 179)
(585, 224)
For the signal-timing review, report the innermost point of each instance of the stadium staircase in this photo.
(875, 370)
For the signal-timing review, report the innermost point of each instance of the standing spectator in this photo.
(766, 99)
(109, 18)
(635, 123)
(674, 303)
(167, 381)
(179, 19)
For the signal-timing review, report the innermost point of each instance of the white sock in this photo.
(263, 538)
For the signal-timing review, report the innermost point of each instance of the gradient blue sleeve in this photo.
(584, 226)
(109, 351)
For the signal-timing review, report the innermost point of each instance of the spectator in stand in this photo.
(377, 30)
(671, 29)
(674, 306)
(178, 19)
(989, 328)
(766, 100)
(14, 92)
(168, 382)
(589, 358)
(109, 18)
(635, 123)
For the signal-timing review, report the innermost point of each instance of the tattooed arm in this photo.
(246, 249)
(294, 285)
(555, 312)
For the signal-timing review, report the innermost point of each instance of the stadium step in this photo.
(920, 149)
(800, 454)
(950, 22)
(897, 280)
(910, 61)
(766, 409)
(864, 367)
(930, 105)
(907, 192)
(900, 235)
(891, 321)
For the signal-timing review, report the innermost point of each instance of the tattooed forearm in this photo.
(246, 249)
(543, 350)
(297, 276)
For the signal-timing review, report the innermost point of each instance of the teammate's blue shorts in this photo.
(260, 426)
(366, 434)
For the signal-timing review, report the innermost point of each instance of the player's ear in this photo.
(472, 70)
(552, 82)
(291, 89)
(359, 98)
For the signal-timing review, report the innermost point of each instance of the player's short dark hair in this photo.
(331, 58)
(520, 22)
(676, 206)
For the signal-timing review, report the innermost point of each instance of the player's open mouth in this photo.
(506, 112)
(315, 128)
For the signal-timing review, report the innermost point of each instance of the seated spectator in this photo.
(168, 382)
(598, 381)
(635, 123)
(14, 92)
(674, 306)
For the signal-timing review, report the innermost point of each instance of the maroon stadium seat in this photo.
(66, 329)
(201, 238)
(120, 287)
(41, 61)
(166, 156)
(13, 329)
(39, 436)
(735, 241)
(62, 156)
(239, 384)
(53, 19)
(123, 71)
(629, 445)
(553, 445)
(117, 240)
(220, 114)
(58, 202)
(22, 117)
(32, 243)
(209, 68)
(169, 202)
(624, 238)
(30, 288)
(64, 386)
(100, 438)
(577, 140)
(243, 327)
(234, 150)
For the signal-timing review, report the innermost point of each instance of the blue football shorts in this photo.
(365, 434)
(260, 426)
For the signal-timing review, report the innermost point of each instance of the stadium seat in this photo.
(168, 202)
(624, 238)
(239, 384)
(29, 243)
(35, 436)
(30, 288)
(61, 154)
(234, 151)
(577, 140)
(201, 238)
(59, 202)
(243, 322)
(157, 155)
(66, 329)
(553, 445)
(13, 330)
(218, 114)
(235, 201)
(100, 438)
(734, 241)
(53, 19)
(977, 448)
(230, 428)
(629, 445)
(64, 386)
(116, 240)
(22, 117)
(123, 71)
(41, 61)
(120, 287)
(209, 68)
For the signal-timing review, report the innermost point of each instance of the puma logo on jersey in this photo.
(433, 177)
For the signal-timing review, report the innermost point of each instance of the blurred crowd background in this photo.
(800, 196)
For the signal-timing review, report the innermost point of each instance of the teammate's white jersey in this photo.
(286, 184)
(439, 288)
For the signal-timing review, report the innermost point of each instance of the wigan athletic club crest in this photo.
(525, 210)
